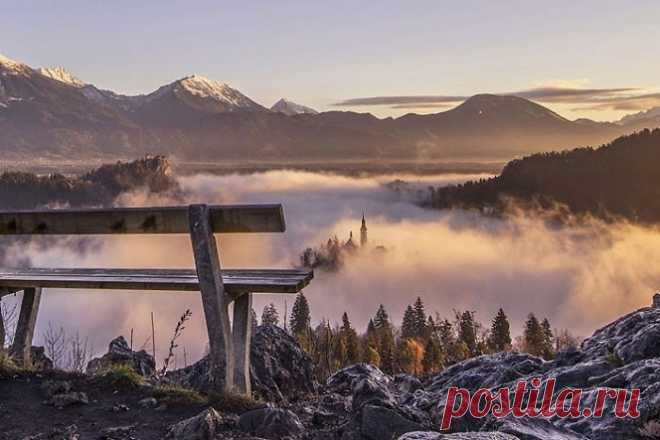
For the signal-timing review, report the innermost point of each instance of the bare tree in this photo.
(56, 344)
(80, 352)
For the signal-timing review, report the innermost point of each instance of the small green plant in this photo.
(232, 402)
(175, 395)
(614, 360)
(120, 376)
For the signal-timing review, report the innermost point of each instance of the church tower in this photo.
(363, 232)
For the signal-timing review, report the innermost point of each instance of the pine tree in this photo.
(433, 359)
(533, 337)
(430, 329)
(350, 337)
(548, 338)
(467, 331)
(419, 319)
(270, 316)
(408, 329)
(372, 357)
(300, 316)
(382, 319)
(500, 335)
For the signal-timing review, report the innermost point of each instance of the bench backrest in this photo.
(157, 220)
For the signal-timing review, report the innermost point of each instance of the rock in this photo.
(431, 435)
(343, 380)
(120, 407)
(367, 391)
(631, 338)
(118, 433)
(280, 370)
(378, 422)
(203, 426)
(53, 387)
(67, 399)
(39, 359)
(119, 353)
(148, 402)
(271, 423)
(406, 383)
(526, 428)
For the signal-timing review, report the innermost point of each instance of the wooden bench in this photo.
(229, 348)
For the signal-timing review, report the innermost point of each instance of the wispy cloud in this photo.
(615, 98)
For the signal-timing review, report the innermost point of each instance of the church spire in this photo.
(363, 231)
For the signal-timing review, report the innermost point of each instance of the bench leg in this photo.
(27, 320)
(214, 298)
(242, 335)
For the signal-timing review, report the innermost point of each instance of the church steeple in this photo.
(363, 231)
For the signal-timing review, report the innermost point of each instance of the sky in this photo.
(333, 54)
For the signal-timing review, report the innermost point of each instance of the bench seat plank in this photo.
(236, 281)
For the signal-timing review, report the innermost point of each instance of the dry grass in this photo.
(175, 395)
(8, 367)
(233, 403)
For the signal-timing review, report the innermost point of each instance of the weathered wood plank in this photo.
(215, 300)
(156, 220)
(235, 281)
(242, 335)
(27, 319)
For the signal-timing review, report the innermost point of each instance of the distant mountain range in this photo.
(52, 114)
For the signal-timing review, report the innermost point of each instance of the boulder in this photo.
(119, 353)
(368, 391)
(280, 370)
(343, 380)
(406, 383)
(378, 422)
(203, 426)
(432, 435)
(526, 428)
(53, 387)
(271, 423)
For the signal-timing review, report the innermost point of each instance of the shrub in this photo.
(8, 367)
(120, 377)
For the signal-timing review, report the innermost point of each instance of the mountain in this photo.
(51, 113)
(648, 118)
(617, 179)
(291, 108)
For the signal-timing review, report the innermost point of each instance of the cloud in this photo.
(616, 98)
(451, 259)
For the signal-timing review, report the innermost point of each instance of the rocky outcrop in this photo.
(203, 426)
(271, 423)
(430, 435)
(119, 353)
(280, 370)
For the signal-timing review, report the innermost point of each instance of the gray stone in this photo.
(526, 428)
(343, 380)
(67, 399)
(203, 426)
(432, 435)
(406, 383)
(281, 371)
(378, 422)
(148, 402)
(271, 423)
(53, 387)
(119, 353)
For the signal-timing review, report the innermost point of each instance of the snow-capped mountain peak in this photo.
(291, 108)
(13, 67)
(203, 87)
(62, 75)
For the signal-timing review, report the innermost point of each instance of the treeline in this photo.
(99, 187)
(423, 344)
(618, 179)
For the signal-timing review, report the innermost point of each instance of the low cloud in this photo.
(580, 277)
(619, 98)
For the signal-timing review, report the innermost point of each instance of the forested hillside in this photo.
(617, 179)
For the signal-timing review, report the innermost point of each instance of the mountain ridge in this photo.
(50, 113)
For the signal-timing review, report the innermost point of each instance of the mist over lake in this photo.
(451, 259)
